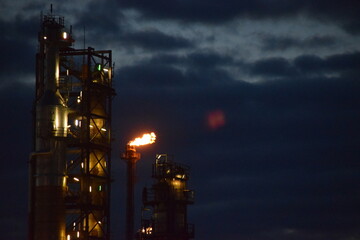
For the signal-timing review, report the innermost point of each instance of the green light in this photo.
(99, 67)
(100, 188)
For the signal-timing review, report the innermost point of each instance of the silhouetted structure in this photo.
(130, 157)
(70, 166)
(164, 215)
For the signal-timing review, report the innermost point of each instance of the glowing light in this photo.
(65, 35)
(76, 122)
(68, 237)
(216, 119)
(106, 70)
(90, 189)
(78, 234)
(176, 183)
(147, 138)
(180, 176)
(45, 37)
(103, 129)
(82, 165)
(148, 230)
(76, 179)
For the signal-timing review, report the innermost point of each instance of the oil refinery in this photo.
(70, 166)
(164, 212)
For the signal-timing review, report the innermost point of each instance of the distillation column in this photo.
(47, 170)
(70, 173)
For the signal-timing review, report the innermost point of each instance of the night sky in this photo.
(260, 98)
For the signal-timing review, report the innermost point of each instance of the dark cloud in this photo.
(213, 12)
(151, 76)
(343, 13)
(305, 66)
(310, 64)
(200, 69)
(102, 23)
(106, 23)
(345, 64)
(154, 40)
(208, 59)
(273, 67)
(273, 43)
(208, 68)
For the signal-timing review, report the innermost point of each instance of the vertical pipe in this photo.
(129, 223)
(131, 157)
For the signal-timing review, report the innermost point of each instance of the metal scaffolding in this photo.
(164, 215)
(72, 139)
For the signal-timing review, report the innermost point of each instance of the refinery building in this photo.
(70, 165)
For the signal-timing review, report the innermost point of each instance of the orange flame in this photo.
(147, 138)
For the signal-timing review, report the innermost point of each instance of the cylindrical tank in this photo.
(50, 146)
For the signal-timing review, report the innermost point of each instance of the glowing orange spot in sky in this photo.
(215, 119)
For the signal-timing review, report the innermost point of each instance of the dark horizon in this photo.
(261, 99)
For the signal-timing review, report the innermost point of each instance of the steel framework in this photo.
(78, 207)
(164, 214)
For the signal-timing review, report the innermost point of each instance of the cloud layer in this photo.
(279, 79)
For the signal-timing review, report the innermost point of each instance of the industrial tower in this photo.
(164, 214)
(70, 164)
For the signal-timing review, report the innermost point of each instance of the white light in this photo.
(91, 126)
(76, 122)
(90, 189)
(78, 234)
(103, 129)
(68, 237)
(106, 70)
(82, 165)
(148, 230)
(76, 179)
(64, 35)
(45, 37)
(99, 222)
